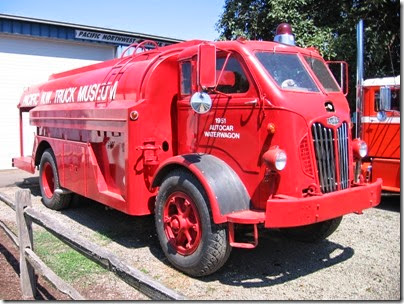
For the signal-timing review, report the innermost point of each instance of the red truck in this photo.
(377, 120)
(381, 130)
(208, 136)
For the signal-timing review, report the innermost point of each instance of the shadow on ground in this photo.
(390, 202)
(276, 260)
(31, 183)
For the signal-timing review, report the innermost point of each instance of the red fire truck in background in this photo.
(377, 120)
(207, 136)
(381, 131)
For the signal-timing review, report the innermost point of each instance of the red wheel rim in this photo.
(48, 180)
(181, 223)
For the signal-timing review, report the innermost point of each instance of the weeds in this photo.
(63, 260)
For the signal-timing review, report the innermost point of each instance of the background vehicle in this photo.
(378, 113)
(381, 130)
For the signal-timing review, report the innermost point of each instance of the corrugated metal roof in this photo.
(18, 25)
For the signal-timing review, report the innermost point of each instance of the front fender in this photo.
(225, 191)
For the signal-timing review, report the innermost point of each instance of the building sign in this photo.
(104, 37)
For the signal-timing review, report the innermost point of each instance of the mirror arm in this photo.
(215, 91)
(221, 72)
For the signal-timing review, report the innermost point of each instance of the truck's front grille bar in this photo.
(343, 155)
(324, 140)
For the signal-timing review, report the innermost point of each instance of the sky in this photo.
(181, 19)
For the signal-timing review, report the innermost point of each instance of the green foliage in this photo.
(63, 260)
(330, 26)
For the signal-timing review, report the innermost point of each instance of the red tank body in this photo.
(269, 144)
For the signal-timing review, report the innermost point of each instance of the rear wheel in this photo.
(313, 233)
(188, 237)
(49, 183)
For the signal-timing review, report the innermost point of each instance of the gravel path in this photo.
(360, 261)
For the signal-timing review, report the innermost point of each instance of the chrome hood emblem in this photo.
(333, 120)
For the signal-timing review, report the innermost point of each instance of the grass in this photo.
(63, 260)
(103, 239)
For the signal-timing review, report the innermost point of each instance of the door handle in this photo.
(251, 102)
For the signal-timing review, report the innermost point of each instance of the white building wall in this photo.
(25, 61)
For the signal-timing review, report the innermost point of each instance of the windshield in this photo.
(288, 71)
(322, 73)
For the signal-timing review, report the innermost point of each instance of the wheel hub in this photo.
(181, 223)
(175, 224)
(48, 180)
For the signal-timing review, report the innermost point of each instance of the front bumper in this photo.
(292, 212)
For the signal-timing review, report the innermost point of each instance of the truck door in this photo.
(230, 130)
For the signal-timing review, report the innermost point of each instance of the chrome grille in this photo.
(324, 140)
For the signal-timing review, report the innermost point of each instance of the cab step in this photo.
(245, 217)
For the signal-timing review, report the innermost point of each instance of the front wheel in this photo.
(188, 237)
(313, 233)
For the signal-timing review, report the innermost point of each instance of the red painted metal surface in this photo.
(388, 170)
(243, 245)
(24, 163)
(114, 125)
(291, 212)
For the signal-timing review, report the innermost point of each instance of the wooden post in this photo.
(27, 275)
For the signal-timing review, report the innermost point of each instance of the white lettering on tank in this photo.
(113, 91)
(82, 93)
(85, 93)
(30, 100)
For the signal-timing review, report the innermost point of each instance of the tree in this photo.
(330, 26)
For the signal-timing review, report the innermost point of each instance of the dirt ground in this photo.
(10, 281)
(105, 287)
(360, 261)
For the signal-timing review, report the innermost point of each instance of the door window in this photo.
(232, 79)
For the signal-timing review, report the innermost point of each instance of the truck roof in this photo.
(385, 81)
(251, 45)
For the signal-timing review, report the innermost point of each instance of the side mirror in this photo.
(206, 66)
(339, 69)
(384, 102)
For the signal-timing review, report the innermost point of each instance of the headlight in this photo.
(275, 158)
(280, 160)
(360, 149)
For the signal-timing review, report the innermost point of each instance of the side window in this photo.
(186, 78)
(377, 100)
(233, 79)
(395, 99)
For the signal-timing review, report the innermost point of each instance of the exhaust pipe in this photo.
(359, 77)
(359, 90)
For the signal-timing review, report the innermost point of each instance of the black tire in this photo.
(213, 248)
(49, 182)
(313, 233)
